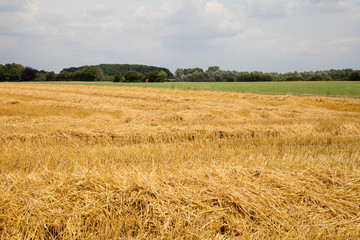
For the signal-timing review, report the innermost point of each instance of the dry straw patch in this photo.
(79, 162)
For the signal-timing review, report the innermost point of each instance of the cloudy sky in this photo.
(242, 35)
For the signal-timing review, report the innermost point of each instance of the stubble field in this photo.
(90, 162)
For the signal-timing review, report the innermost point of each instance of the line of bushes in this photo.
(16, 72)
(214, 74)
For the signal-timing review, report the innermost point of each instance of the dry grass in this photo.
(81, 162)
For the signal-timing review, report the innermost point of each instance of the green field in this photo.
(339, 89)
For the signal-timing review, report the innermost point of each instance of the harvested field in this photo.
(89, 162)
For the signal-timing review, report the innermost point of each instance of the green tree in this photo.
(316, 77)
(155, 76)
(100, 74)
(111, 69)
(152, 76)
(118, 77)
(295, 78)
(3, 75)
(133, 76)
(162, 76)
(87, 74)
(50, 76)
(14, 72)
(40, 77)
(213, 69)
(355, 76)
(64, 76)
(179, 72)
(192, 70)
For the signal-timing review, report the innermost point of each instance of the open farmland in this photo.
(90, 162)
(305, 88)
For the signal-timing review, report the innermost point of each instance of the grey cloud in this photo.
(100, 10)
(195, 39)
(186, 16)
(324, 1)
(325, 6)
(12, 6)
(187, 27)
(267, 35)
(269, 9)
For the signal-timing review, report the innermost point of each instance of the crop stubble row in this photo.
(90, 162)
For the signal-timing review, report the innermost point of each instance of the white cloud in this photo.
(7, 42)
(296, 47)
(345, 46)
(248, 35)
(140, 12)
(112, 25)
(268, 35)
(269, 8)
(30, 12)
(12, 6)
(221, 16)
(325, 6)
(98, 10)
(209, 13)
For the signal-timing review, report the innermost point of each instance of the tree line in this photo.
(140, 73)
(112, 69)
(105, 72)
(215, 74)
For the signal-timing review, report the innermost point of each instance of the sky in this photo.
(241, 35)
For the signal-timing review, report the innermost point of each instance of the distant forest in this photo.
(140, 73)
(112, 69)
(215, 74)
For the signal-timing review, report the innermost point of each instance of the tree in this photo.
(88, 74)
(118, 77)
(295, 78)
(3, 75)
(100, 74)
(29, 74)
(198, 76)
(63, 76)
(355, 76)
(152, 76)
(14, 72)
(133, 76)
(316, 77)
(111, 69)
(40, 77)
(161, 76)
(179, 72)
(192, 70)
(50, 76)
(213, 69)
